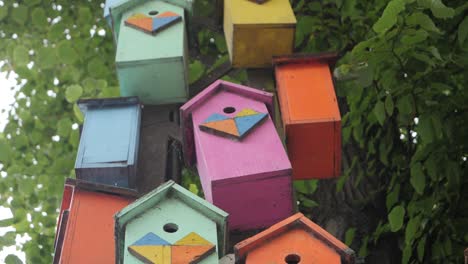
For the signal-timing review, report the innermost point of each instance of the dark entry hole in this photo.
(292, 259)
(229, 110)
(170, 228)
(153, 12)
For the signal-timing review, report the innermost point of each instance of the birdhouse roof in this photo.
(198, 101)
(295, 222)
(324, 57)
(169, 190)
(85, 104)
(115, 9)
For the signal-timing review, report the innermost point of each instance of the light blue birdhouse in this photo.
(152, 54)
(108, 148)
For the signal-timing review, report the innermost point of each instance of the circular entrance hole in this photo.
(229, 110)
(292, 259)
(170, 228)
(153, 12)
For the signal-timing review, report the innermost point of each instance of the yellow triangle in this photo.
(152, 254)
(193, 239)
(247, 112)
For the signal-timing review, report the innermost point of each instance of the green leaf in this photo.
(66, 52)
(418, 179)
(440, 10)
(405, 105)
(423, 20)
(425, 129)
(379, 111)
(392, 197)
(421, 247)
(73, 93)
(3, 12)
(64, 127)
(20, 14)
(21, 55)
(349, 236)
(46, 57)
(463, 31)
(389, 105)
(395, 218)
(406, 254)
(418, 36)
(193, 188)
(13, 259)
(78, 113)
(39, 18)
(411, 229)
(196, 71)
(389, 16)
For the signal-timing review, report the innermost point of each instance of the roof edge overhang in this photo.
(325, 57)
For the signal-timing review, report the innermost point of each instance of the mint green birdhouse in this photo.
(152, 54)
(170, 225)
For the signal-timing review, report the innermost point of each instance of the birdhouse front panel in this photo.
(89, 236)
(256, 32)
(293, 240)
(152, 53)
(241, 161)
(311, 118)
(108, 147)
(171, 221)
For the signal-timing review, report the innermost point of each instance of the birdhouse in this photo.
(85, 233)
(170, 225)
(229, 134)
(292, 241)
(108, 148)
(255, 31)
(152, 55)
(310, 115)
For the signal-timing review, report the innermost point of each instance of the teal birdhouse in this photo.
(170, 225)
(108, 149)
(152, 54)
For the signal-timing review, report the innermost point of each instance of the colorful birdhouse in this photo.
(256, 31)
(152, 55)
(85, 232)
(293, 240)
(229, 134)
(310, 114)
(108, 149)
(170, 225)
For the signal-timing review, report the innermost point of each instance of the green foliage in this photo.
(403, 77)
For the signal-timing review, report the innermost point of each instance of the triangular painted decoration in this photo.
(193, 239)
(237, 127)
(152, 254)
(246, 123)
(224, 127)
(152, 25)
(190, 254)
(151, 239)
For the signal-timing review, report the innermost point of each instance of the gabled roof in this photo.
(197, 101)
(298, 220)
(114, 9)
(169, 190)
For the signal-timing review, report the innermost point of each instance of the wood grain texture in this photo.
(174, 205)
(153, 67)
(310, 115)
(232, 172)
(295, 235)
(89, 233)
(257, 32)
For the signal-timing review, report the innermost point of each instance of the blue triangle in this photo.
(161, 22)
(215, 117)
(246, 123)
(151, 239)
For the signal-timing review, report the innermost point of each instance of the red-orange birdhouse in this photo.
(85, 232)
(293, 240)
(310, 114)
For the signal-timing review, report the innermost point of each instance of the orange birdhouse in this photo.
(310, 114)
(293, 240)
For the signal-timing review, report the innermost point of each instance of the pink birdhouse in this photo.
(230, 136)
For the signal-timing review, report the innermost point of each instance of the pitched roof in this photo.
(242, 249)
(218, 86)
(169, 189)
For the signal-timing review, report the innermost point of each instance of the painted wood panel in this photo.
(153, 67)
(310, 115)
(293, 240)
(234, 173)
(89, 236)
(257, 32)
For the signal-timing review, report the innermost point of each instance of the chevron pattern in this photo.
(152, 25)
